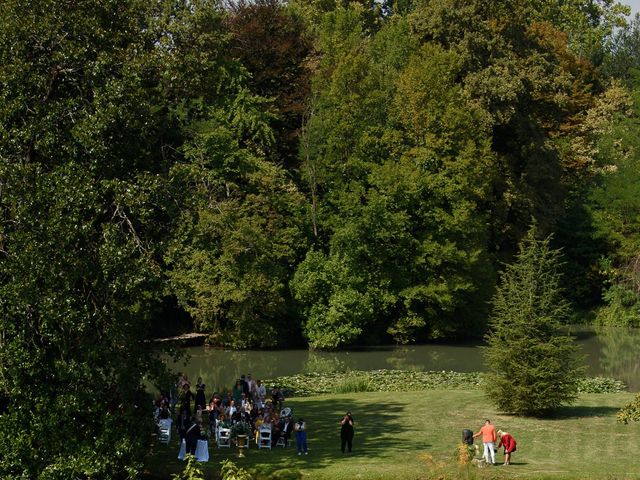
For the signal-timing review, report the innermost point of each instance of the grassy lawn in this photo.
(413, 435)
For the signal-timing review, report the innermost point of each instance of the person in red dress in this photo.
(509, 444)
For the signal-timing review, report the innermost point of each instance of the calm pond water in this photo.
(609, 352)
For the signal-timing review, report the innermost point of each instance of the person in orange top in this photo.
(488, 433)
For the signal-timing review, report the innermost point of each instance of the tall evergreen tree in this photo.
(533, 365)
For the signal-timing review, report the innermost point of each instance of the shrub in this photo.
(464, 453)
(230, 471)
(630, 412)
(191, 470)
(354, 384)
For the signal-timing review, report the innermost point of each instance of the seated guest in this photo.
(223, 421)
(214, 413)
(164, 412)
(286, 426)
(254, 414)
(245, 403)
(236, 417)
(231, 409)
(257, 424)
(245, 416)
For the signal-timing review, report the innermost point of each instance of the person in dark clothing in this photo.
(183, 422)
(201, 400)
(192, 436)
(346, 432)
(186, 397)
(286, 426)
(245, 385)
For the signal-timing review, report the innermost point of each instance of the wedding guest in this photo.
(346, 432)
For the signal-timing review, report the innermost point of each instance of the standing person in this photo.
(238, 390)
(251, 384)
(245, 384)
(201, 400)
(173, 393)
(183, 422)
(346, 432)
(509, 444)
(488, 433)
(261, 394)
(185, 400)
(192, 435)
(301, 436)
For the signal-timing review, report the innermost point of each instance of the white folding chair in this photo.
(264, 437)
(224, 438)
(164, 428)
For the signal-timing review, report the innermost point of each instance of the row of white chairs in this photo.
(223, 436)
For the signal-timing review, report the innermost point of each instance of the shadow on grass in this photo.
(581, 411)
(376, 436)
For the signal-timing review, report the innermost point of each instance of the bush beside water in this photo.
(307, 384)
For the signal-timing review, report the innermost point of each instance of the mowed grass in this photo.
(413, 435)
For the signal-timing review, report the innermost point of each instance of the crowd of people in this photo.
(248, 401)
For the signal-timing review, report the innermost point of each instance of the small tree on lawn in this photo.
(533, 367)
(630, 412)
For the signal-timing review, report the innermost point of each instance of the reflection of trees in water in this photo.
(323, 362)
(220, 368)
(404, 359)
(620, 349)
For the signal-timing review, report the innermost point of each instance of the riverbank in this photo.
(191, 339)
(609, 352)
(413, 435)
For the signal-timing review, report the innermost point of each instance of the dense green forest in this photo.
(316, 172)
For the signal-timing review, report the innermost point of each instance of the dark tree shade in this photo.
(272, 43)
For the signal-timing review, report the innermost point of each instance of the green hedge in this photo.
(307, 384)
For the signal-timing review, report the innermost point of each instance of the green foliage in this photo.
(191, 471)
(623, 55)
(533, 366)
(464, 453)
(630, 412)
(240, 428)
(90, 110)
(615, 207)
(318, 383)
(600, 385)
(236, 237)
(353, 384)
(406, 248)
(230, 471)
(147, 158)
(306, 384)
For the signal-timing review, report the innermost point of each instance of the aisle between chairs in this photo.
(202, 451)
